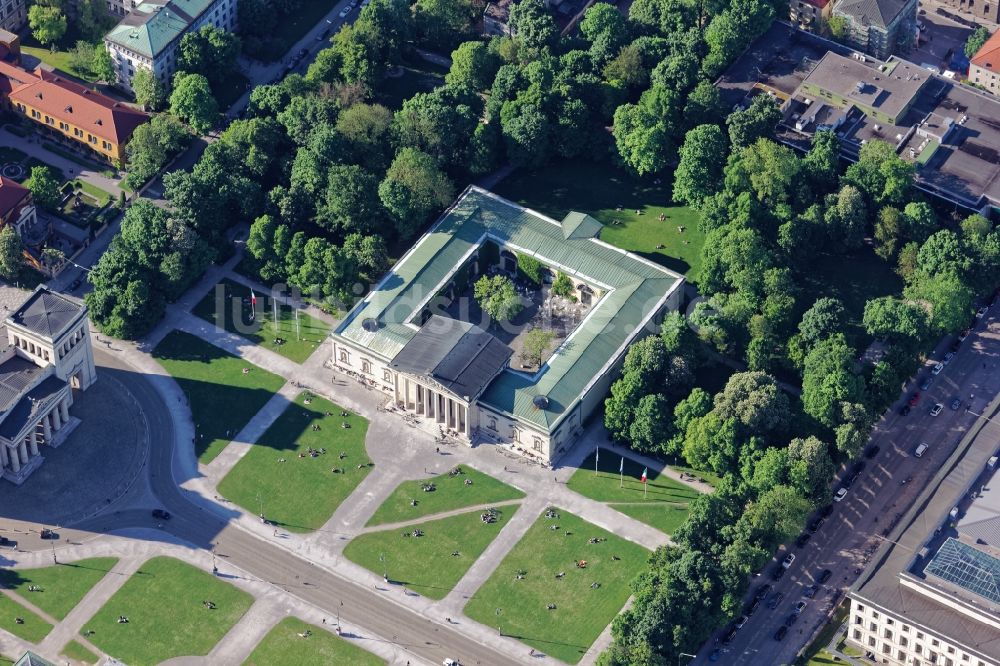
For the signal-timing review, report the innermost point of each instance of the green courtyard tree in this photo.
(149, 92)
(497, 297)
(48, 24)
(562, 286)
(192, 101)
(11, 253)
(829, 380)
(211, 52)
(414, 188)
(44, 186)
(474, 65)
(755, 122)
(533, 25)
(102, 65)
(536, 343)
(702, 159)
(976, 40)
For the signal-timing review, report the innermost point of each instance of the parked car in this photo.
(741, 622)
(779, 571)
(160, 514)
(826, 511)
(716, 653)
(790, 620)
(936, 409)
(981, 312)
(762, 592)
(840, 495)
(921, 450)
(344, 12)
(914, 399)
(803, 539)
(775, 599)
(752, 607)
(810, 591)
(871, 451)
(9, 543)
(927, 383)
(825, 576)
(904, 410)
(799, 607)
(816, 524)
(963, 335)
(48, 534)
(729, 636)
(779, 635)
(956, 402)
(937, 369)
(787, 562)
(948, 357)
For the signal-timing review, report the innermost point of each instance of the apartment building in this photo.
(879, 27)
(810, 15)
(150, 34)
(13, 14)
(984, 68)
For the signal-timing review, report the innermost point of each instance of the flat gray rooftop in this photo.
(887, 88)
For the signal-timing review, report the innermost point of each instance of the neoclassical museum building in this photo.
(48, 357)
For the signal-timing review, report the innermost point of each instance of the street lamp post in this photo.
(685, 654)
(499, 612)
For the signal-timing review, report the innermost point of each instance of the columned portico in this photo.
(433, 403)
(21, 454)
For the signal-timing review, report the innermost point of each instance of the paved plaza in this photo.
(401, 450)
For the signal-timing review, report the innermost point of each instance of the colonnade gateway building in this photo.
(48, 357)
(421, 335)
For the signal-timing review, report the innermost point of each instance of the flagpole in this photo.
(597, 456)
(275, 301)
(297, 331)
(621, 474)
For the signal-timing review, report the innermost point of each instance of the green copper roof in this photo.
(634, 290)
(152, 26)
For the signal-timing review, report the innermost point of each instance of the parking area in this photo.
(941, 38)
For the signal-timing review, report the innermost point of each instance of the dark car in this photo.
(729, 635)
(779, 571)
(751, 608)
(914, 399)
(160, 514)
(779, 635)
(956, 403)
(75, 284)
(904, 410)
(926, 384)
(791, 619)
(49, 534)
(811, 591)
(816, 524)
(825, 576)
(826, 511)
(775, 599)
(871, 451)
(762, 592)
(803, 539)
(9, 543)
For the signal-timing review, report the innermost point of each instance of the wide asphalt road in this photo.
(243, 554)
(874, 502)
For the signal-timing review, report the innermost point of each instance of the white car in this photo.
(345, 11)
(936, 409)
(787, 562)
(937, 369)
(840, 495)
(921, 450)
(948, 357)
(981, 312)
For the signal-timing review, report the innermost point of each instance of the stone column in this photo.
(33, 441)
(15, 461)
(47, 429)
(3, 457)
(23, 450)
(64, 410)
(430, 397)
(54, 415)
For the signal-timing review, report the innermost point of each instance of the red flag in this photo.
(253, 298)
(643, 477)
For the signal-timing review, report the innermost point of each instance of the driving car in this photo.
(160, 514)
(936, 409)
(787, 562)
(937, 369)
(825, 576)
(840, 495)
(956, 402)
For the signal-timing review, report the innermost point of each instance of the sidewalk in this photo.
(31, 145)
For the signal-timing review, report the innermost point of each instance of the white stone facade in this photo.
(893, 640)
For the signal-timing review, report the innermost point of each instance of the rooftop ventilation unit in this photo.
(540, 402)
(369, 325)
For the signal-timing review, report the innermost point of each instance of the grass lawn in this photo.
(222, 398)
(34, 628)
(228, 295)
(293, 27)
(452, 493)
(283, 645)
(581, 612)
(302, 493)
(60, 59)
(597, 189)
(78, 652)
(664, 506)
(418, 76)
(854, 280)
(100, 195)
(163, 603)
(815, 653)
(63, 585)
(427, 564)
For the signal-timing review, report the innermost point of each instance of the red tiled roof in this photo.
(12, 196)
(988, 57)
(819, 4)
(68, 101)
